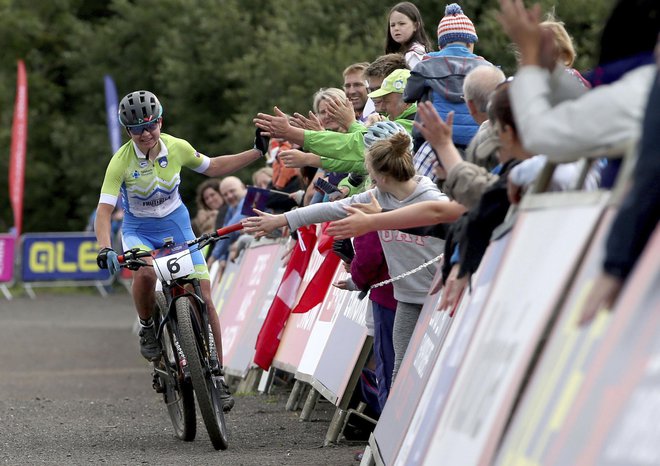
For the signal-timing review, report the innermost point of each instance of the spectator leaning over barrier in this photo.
(406, 34)
(554, 113)
(341, 152)
(233, 192)
(389, 163)
(637, 217)
(471, 233)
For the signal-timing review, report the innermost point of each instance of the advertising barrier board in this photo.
(51, 257)
(509, 331)
(7, 244)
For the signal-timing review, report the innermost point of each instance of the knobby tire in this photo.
(178, 395)
(207, 399)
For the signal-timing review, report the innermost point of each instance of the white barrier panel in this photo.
(430, 403)
(343, 319)
(333, 305)
(536, 269)
(595, 395)
(242, 313)
(408, 397)
(298, 326)
(221, 291)
(423, 348)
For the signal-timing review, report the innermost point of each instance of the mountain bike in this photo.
(189, 360)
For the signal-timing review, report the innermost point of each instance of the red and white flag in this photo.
(317, 288)
(271, 331)
(18, 145)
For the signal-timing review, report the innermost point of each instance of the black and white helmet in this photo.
(139, 107)
(384, 130)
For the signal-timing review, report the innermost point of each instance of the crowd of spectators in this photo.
(466, 145)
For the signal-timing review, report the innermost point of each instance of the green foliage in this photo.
(214, 64)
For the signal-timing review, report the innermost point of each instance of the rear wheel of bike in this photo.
(178, 393)
(208, 399)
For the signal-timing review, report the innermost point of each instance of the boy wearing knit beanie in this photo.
(439, 77)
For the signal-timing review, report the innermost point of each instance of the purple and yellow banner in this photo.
(61, 256)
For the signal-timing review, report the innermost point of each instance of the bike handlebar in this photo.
(134, 254)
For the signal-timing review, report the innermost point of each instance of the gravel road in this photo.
(74, 390)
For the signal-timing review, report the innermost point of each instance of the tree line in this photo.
(213, 63)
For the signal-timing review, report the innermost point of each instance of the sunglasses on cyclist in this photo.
(138, 129)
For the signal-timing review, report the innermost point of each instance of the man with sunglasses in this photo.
(146, 171)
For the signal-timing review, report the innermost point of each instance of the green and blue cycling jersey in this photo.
(153, 208)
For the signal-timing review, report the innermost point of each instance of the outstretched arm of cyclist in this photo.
(226, 164)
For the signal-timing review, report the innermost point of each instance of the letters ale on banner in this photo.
(6, 258)
(61, 256)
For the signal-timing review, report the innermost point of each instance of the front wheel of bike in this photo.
(208, 400)
(177, 392)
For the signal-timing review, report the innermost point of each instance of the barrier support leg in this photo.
(367, 457)
(5, 291)
(294, 395)
(335, 427)
(29, 291)
(250, 382)
(303, 396)
(310, 404)
(266, 381)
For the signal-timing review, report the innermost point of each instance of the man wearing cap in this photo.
(344, 152)
(439, 78)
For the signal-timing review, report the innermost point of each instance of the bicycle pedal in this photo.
(156, 385)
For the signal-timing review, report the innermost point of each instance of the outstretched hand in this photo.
(437, 132)
(311, 122)
(372, 207)
(294, 158)
(274, 126)
(342, 111)
(453, 291)
(263, 223)
(602, 295)
(357, 223)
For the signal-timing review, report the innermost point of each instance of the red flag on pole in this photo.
(317, 288)
(271, 331)
(18, 146)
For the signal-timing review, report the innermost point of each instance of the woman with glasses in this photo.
(146, 171)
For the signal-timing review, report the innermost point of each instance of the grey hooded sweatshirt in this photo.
(402, 251)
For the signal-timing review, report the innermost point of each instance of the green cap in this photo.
(394, 82)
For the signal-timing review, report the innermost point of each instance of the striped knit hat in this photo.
(455, 27)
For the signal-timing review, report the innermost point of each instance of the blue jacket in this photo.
(439, 78)
(233, 215)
